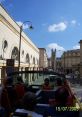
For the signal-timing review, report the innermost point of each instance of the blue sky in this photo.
(57, 23)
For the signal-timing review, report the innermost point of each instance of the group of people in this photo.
(10, 95)
(63, 94)
(17, 98)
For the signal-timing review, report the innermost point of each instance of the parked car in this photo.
(68, 76)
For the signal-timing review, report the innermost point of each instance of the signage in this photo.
(10, 62)
(9, 66)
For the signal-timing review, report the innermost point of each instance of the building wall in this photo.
(49, 63)
(58, 65)
(41, 58)
(45, 59)
(71, 58)
(43, 62)
(53, 59)
(10, 31)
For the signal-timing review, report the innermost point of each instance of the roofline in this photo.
(9, 14)
(42, 48)
(34, 45)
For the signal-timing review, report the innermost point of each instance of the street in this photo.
(78, 91)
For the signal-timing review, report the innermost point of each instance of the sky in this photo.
(57, 23)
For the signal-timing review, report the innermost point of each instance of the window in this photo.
(5, 45)
(31, 56)
(27, 58)
(33, 60)
(37, 62)
(22, 53)
(15, 53)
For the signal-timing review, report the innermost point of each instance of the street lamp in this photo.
(21, 29)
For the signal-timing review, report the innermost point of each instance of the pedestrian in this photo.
(61, 95)
(46, 85)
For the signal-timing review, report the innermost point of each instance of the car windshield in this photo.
(35, 77)
(49, 52)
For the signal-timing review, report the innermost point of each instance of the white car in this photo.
(68, 76)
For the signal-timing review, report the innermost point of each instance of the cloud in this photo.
(25, 26)
(55, 46)
(57, 27)
(19, 23)
(76, 47)
(73, 22)
(62, 26)
(59, 49)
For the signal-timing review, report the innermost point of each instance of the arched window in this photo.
(27, 58)
(33, 60)
(31, 56)
(22, 53)
(37, 62)
(5, 45)
(15, 53)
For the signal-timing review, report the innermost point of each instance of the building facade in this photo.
(53, 59)
(70, 60)
(9, 45)
(49, 63)
(43, 59)
(58, 64)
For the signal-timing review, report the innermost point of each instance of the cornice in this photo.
(17, 32)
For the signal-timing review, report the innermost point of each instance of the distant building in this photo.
(71, 60)
(43, 59)
(49, 63)
(53, 59)
(58, 64)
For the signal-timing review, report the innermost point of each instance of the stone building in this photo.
(43, 59)
(49, 63)
(71, 60)
(58, 64)
(53, 59)
(9, 45)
